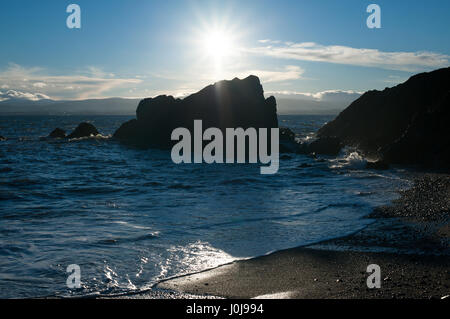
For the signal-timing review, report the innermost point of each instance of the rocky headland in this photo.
(406, 124)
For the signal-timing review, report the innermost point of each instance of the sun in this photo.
(218, 44)
(216, 47)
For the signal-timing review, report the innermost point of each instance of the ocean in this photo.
(130, 217)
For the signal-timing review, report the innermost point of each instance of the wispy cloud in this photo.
(90, 83)
(310, 51)
(268, 41)
(394, 79)
(201, 78)
(289, 72)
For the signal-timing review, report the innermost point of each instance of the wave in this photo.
(353, 160)
(92, 137)
(113, 241)
(180, 186)
(152, 183)
(94, 190)
(67, 140)
(21, 182)
(240, 181)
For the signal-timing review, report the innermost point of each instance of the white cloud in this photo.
(336, 95)
(268, 41)
(91, 83)
(328, 95)
(310, 51)
(290, 72)
(395, 79)
(18, 95)
(203, 78)
(324, 102)
(39, 85)
(286, 73)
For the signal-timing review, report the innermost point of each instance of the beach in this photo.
(408, 240)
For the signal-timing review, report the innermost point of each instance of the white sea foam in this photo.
(349, 159)
(91, 137)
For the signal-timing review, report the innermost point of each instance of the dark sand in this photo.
(311, 273)
(409, 241)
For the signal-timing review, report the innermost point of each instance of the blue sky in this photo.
(139, 48)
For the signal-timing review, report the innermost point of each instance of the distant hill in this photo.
(325, 102)
(289, 106)
(286, 104)
(109, 106)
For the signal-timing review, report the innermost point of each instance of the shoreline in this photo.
(409, 241)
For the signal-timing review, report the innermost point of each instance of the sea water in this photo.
(131, 217)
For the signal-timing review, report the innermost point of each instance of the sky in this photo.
(143, 48)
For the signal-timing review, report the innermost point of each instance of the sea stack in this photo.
(406, 124)
(57, 133)
(84, 130)
(225, 104)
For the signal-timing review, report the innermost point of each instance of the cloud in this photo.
(286, 73)
(89, 83)
(310, 51)
(324, 102)
(39, 85)
(18, 95)
(336, 95)
(328, 95)
(290, 72)
(268, 41)
(395, 79)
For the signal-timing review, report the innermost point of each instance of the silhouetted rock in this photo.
(286, 134)
(2, 138)
(426, 140)
(84, 130)
(325, 146)
(226, 104)
(379, 165)
(406, 124)
(57, 133)
(288, 144)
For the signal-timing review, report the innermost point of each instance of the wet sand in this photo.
(312, 273)
(409, 241)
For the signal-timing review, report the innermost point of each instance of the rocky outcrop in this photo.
(226, 104)
(288, 144)
(426, 140)
(84, 130)
(321, 146)
(57, 133)
(326, 146)
(406, 124)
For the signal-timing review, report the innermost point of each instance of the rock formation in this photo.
(326, 146)
(226, 104)
(406, 124)
(84, 130)
(57, 133)
(288, 144)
